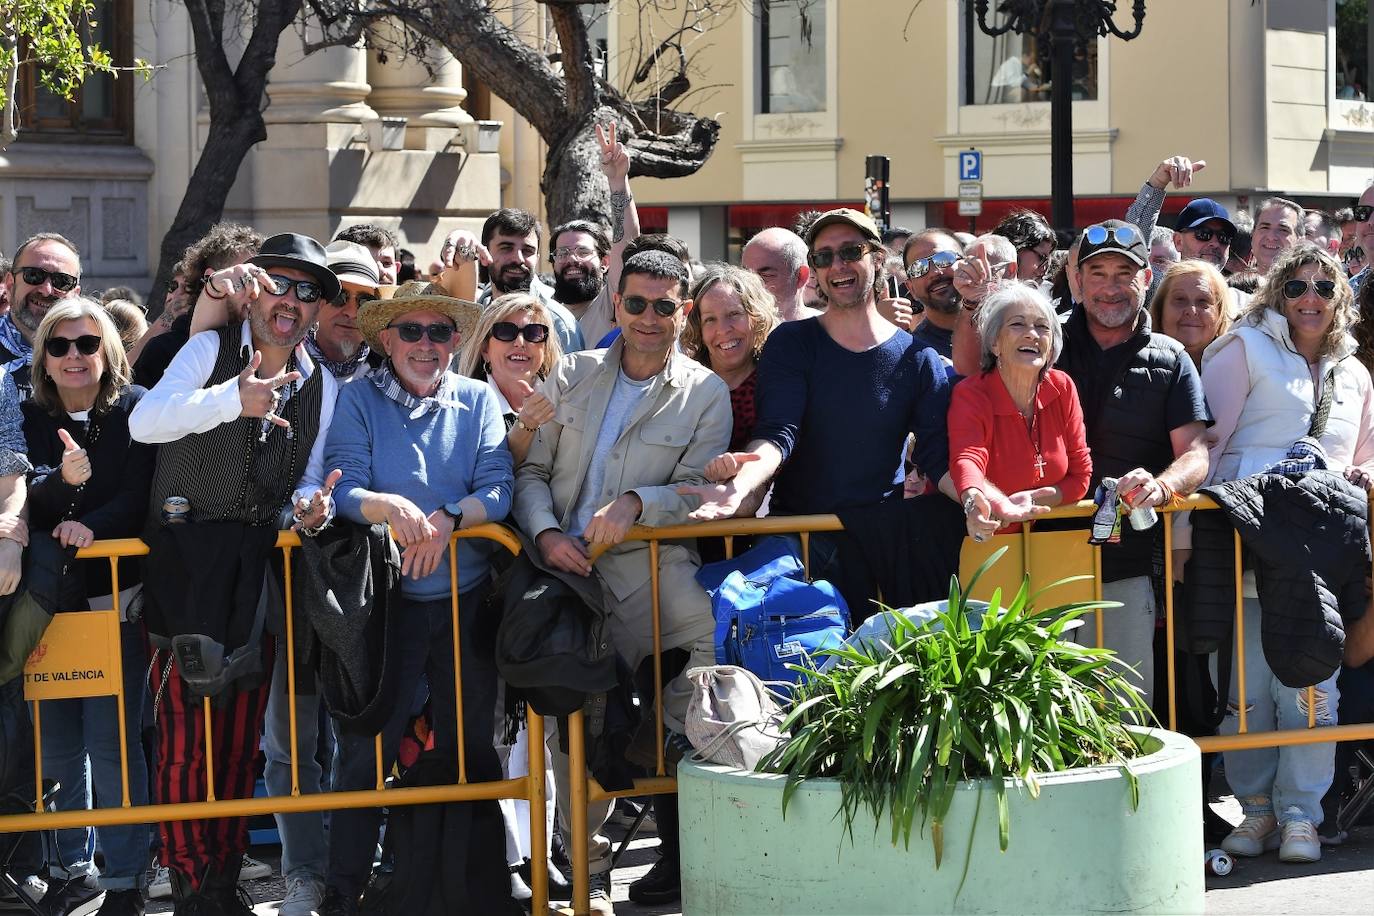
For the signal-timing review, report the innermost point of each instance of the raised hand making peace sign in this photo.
(615, 158)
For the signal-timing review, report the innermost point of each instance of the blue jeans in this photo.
(426, 650)
(304, 843)
(1273, 780)
(72, 731)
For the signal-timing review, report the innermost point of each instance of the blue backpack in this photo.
(767, 615)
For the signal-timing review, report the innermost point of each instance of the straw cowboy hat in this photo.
(415, 296)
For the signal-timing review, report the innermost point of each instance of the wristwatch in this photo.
(456, 516)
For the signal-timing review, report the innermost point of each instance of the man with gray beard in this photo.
(46, 268)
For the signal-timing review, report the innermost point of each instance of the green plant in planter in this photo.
(900, 724)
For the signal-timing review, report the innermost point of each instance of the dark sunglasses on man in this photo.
(635, 305)
(359, 298)
(507, 331)
(58, 347)
(34, 276)
(1296, 289)
(1205, 235)
(849, 253)
(1362, 212)
(306, 290)
(412, 331)
(1353, 255)
(940, 260)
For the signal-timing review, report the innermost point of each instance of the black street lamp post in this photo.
(1066, 24)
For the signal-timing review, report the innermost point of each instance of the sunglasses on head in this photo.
(360, 299)
(1296, 289)
(58, 347)
(854, 251)
(507, 331)
(34, 276)
(1122, 235)
(412, 331)
(306, 290)
(1205, 235)
(635, 305)
(1362, 212)
(940, 260)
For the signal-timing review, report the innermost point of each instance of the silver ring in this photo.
(980, 538)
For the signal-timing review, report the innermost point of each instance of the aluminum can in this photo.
(1143, 518)
(176, 510)
(1219, 862)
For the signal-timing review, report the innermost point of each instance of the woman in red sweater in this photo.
(1016, 440)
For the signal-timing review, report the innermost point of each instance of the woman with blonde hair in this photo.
(731, 317)
(90, 481)
(512, 350)
(1192, 305)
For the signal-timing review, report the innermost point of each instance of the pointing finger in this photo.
(332, 481)
(276, 420)
(286, 378)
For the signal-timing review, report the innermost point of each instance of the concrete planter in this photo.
(1078, 848)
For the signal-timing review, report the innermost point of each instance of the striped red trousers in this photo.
(192, 847)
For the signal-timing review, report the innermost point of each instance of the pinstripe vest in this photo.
(226, 473)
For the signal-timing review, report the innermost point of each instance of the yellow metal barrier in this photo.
(100, 630)
(1061, 546)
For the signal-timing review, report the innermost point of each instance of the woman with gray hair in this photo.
(1017, 446)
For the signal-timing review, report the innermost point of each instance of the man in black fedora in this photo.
(241, 415)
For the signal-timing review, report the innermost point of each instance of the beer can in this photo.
(1219, 862)
(1143, 518)
(176, 510)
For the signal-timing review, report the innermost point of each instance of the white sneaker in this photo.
(253, 869)
(1256, 835)
(1300, 842)
(303, 897)
(161, 886)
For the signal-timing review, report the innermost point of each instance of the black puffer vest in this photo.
(1309, 543)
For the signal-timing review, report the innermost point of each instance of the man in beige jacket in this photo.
(632, 424)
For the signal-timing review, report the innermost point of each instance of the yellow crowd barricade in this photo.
(79, 656)
(1046, 556)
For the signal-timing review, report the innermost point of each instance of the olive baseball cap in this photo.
(848, 215)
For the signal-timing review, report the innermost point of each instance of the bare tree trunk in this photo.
(9, 76)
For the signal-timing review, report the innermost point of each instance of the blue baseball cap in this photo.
(1200, 211)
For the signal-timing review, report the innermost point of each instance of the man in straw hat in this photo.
(241, 415)
(423, 450)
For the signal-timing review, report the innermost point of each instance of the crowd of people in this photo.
(293, 384)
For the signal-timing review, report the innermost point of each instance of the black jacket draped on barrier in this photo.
(346, 584)
(1309, 540)
(904, 550)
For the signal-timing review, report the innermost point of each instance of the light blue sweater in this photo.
(437, 459)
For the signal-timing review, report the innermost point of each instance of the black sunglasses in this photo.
(854, 251)
(1362, 213)
(1353, 255)
(306, 290)
(34, 276)
(507, 331)
(361, 299)
(940, 260)
(58, 347)
(1295, 289)
(1205, 235)
(635, 305)
(412, 331)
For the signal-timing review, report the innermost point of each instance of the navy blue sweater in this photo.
(841, 418)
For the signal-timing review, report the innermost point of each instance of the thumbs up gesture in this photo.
(76, 464)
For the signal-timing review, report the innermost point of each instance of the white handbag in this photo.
(732, 718)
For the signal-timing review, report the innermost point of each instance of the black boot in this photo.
(222, 886)
(186, 901)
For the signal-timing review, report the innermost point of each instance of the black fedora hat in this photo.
(290, 249)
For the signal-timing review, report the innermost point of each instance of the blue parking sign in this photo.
(971, 165)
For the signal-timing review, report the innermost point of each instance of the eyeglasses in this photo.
(412, 331)
(1354, 255)
(58, 347)
(1040, 259)
(1362, 212)
(635, 305)
(306, 290)
(1296, 289)
(1122, 235)
(359, 299)
(940, 260)
(507, 331)
(1206, 235)
(850, 253)
(35, 276)
(578, 253)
